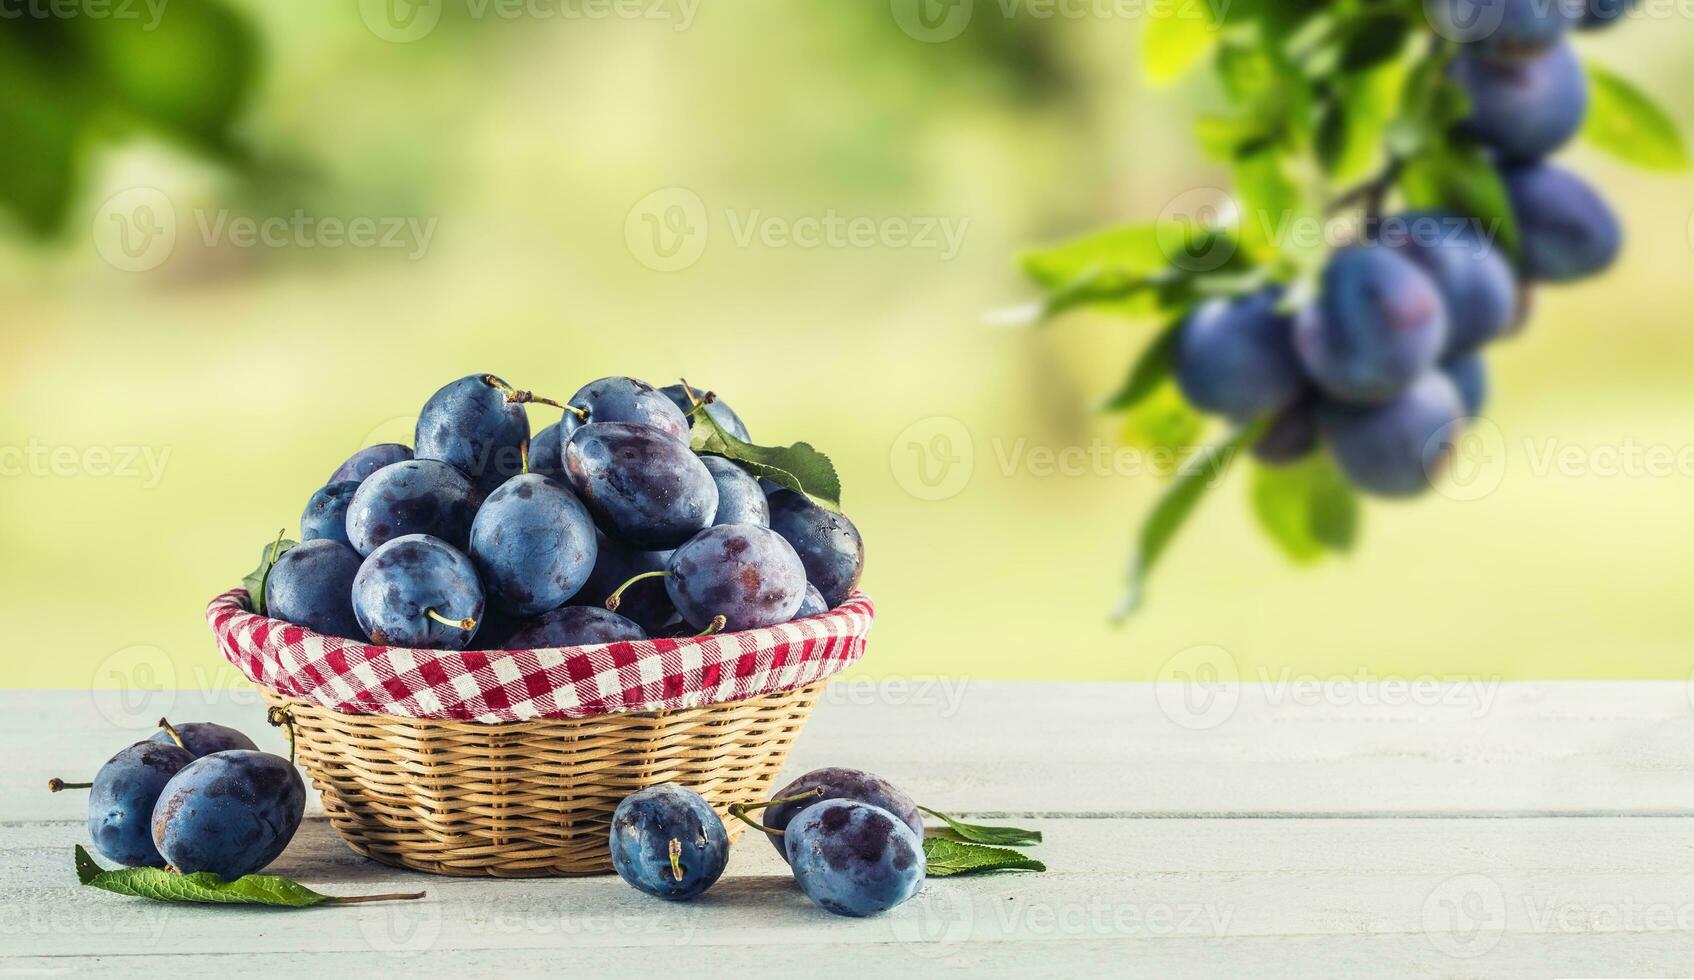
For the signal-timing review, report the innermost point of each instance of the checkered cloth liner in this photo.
(516, 685)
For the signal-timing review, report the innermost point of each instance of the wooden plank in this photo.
(1114, 749)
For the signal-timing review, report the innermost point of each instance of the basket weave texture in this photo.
(509, 763)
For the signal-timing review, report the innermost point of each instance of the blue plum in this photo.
(533, 543)
(740, 499)
(1292, 436)
(853, 858)
(574, 626)
(474, 425)
(668, 842)
(1236, 357)
(839, 783)
(717, 408)
(745, 573)
(1378, 325)
(230, 813)
(812, 604)
(421, 496)
(619, 399)
(205, 737)
(1565, 230)
(1396, 449)
(368, 460)
(546, 453)
(1524, 109)
(646, 603)
(641, 485)
(1599, 14)
(120, 801)
(325, 516)
(1475, 281)
(828, 544)
(1470, 376)
(1504, 29)
(311, 585)
(418, 591)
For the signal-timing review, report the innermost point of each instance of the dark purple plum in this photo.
(476, 427)
(1378, 325)
(368, 460)
(717, 408)
(1600, 14)
(574, 626)
(1524, 109)
(1504, 29)
(646, 603)
(546, 453)
(668, 842)
(619, 399)
(740, 499)
(1398, 448)
(418, 591)
(230, 813)
(828, 544)
(838, 783)
(1475, 281)
(853, 858)
(745, 573)
(420, 496)
(812, 604)
(533, 544)
(311, 585)
(641, 485)
(1292, 436)
(205, 737)
(1565, 230)
(1470, 376)
(120, 802)
(325, 516)
(1236, 357)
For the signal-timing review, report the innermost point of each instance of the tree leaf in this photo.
(946, 858)
(1307, 508)
(1626, 122)
(256, 579)
(1138, 270)
(203, 887)
(798, 467)
(1461, 180)
(980, 834)
(1175, 39)
(1162, 419)
(1152, 368)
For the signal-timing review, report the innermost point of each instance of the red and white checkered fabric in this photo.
(516, 685)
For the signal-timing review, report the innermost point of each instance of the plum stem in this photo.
(393, 897)
(170, 730)
(676, 858)
(739, 810)
(278, 717)
(523, 456)
(616, 598)
(56, 784)
(467, 624)
(518, 396)
(718, 622)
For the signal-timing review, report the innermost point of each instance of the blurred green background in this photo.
(169, 407)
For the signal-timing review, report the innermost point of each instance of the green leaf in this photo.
(256, 579)
(798, 467)
(1461, 180)
(1163, 420)
(1197, 476)
(206, 888)
(979, 834)
(1306, 507)
(1626, 122)
(947, 857)
(1175, 39)
(1138, 270)
(1151, 369)
(1270, 202)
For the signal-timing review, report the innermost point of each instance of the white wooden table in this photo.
(1530, 829)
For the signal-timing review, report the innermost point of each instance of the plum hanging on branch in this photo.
(1414, 135)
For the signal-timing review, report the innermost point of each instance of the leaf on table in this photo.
(983, 834)
(256, 579)
(947, 858)
(798, 467)
(206, 888)
(1627, 123)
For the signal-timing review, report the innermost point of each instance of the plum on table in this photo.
(668, 842)
(838, 783)
(854, 858)
(121, 799)
(202, 737)
(230, 813)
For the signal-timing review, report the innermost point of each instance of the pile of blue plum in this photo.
(1385, 364)
(194, 797)
(480, 536)
(854, 841)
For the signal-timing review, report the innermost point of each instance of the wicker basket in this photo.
(510, 763)
(529, 798)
